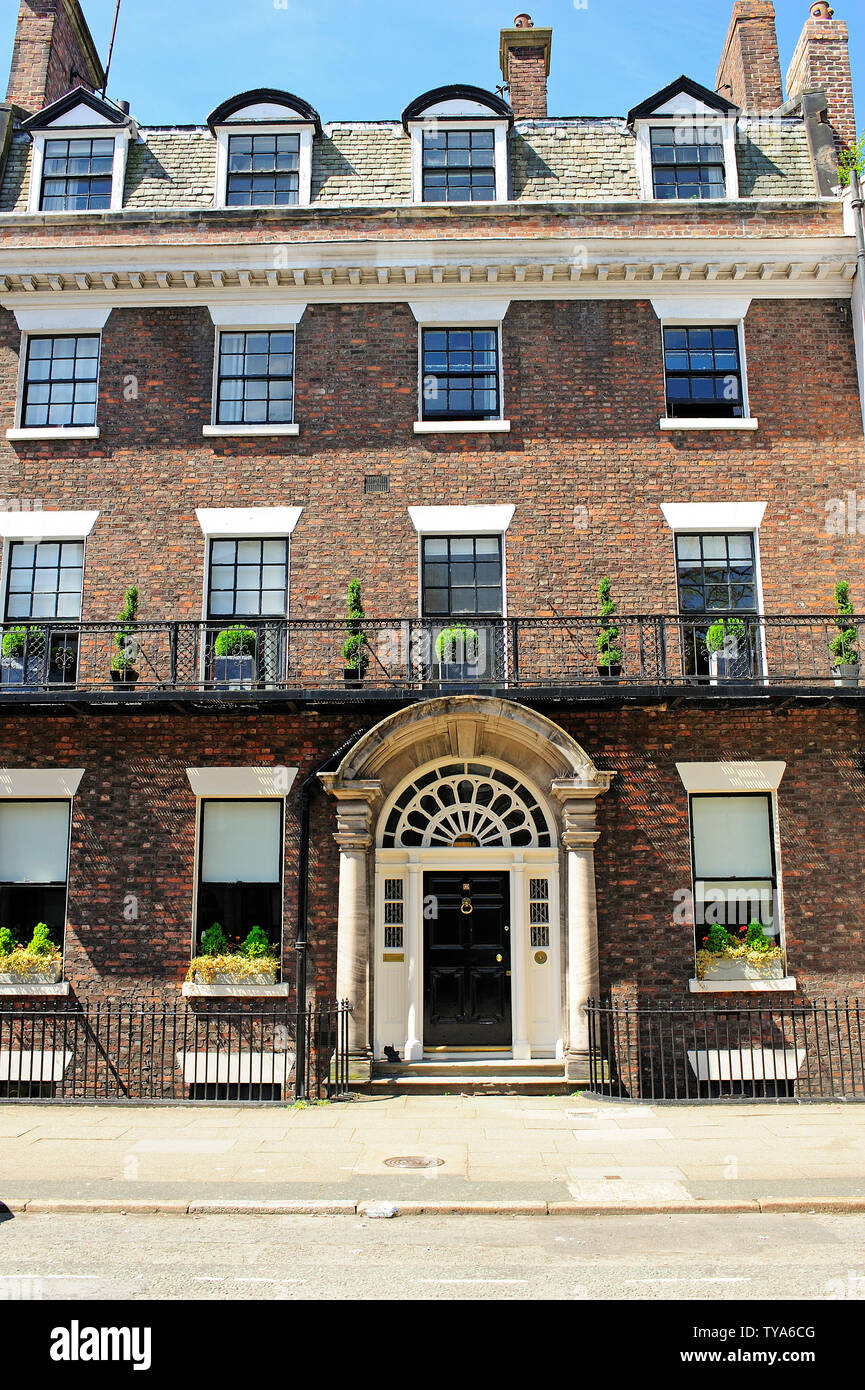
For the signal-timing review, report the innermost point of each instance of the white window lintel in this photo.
(247, 521)
(241, 782)
(88, 318)
(731, 776)
(689, 308)
(67, 526)
(255, 313)
(40, 783)
(713, 516)
(462, 521)
(455, 313)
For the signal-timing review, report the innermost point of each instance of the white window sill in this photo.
(785, 985)
(221, 431)
(462, 426)
(193, 990)
(56, 432)
(24, 991)
(717, 423)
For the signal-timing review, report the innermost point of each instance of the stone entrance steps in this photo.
(471, 1076)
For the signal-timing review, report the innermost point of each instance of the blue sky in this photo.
(177, 59)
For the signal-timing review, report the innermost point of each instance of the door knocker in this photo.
(466, 907)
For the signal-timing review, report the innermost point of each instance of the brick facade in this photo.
(749, 72)
(53, 52)
(822, 60)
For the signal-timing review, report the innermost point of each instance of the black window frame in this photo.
(259, 177)
(256, 376)
(30, 384)
(703, 407)
(701, 928)
(459, 169)
(450, 380)
(695, 622)
(10, 890)
(67, 201)
(691, 168)
(449, 561)
(224, 619)
(236, 900)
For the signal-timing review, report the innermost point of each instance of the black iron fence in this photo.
(116, 1052)
(791, 1050)
(411, 654)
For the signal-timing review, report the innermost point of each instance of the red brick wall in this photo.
(749, 72)
(134, 828)
(584, 393)
(822, 59)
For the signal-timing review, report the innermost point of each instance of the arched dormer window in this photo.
(459, 145)
(264, 150)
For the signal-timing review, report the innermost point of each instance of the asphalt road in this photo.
(710, 1258)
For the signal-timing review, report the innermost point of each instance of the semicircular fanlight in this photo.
(466, 804)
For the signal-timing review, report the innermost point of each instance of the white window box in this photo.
(55, 432)
(43, 1067)
(193, 990)
(25, 990)
(747, 1063)
(700, 423)
(786, 984)
(462, 426)
(235, 1068)
(250, 431)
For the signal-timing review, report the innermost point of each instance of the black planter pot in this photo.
(458, 671)
(609, 672)
(234, 671)
(351, 676)
(125, 676)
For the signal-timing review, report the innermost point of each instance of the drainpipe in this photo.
(301, 941)
(858, 300)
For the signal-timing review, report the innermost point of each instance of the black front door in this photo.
(467, 960)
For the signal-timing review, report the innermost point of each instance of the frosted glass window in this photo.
(732, 837)
(242, 842)
(34, 841)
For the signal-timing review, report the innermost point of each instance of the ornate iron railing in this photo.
(405, 655)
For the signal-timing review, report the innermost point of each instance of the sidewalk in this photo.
(501, 1153)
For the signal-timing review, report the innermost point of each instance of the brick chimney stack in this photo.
(52, 53)
(524, 56)
(749, 72)
(822, 61)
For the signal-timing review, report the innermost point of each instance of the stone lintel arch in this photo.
(466, 727)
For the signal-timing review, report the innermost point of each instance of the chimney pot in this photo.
(524, 21)
(821, 10)
(124, 107)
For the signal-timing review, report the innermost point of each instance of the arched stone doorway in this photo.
(477, 786)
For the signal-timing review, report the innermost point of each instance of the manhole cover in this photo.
(412, 1161)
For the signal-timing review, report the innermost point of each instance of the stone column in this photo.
(578, 797)
(414, 929)
(354, 835)
(520, 956)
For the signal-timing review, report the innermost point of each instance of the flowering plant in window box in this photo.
(38, 963)
(23, 645)
(843, 646)
(746, 954)
(458, 652)
(726, 644)
(254, 964)
(234, 656)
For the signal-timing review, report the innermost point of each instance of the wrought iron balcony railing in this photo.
(406, 656)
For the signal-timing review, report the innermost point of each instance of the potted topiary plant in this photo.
(234, 656)
(125, 640)
(844, 645)
(38, 963)
(458, 650)
(23, 656)
(255, 963)
(748, 954)
(609, 653)
(354, 653)
(725, 644)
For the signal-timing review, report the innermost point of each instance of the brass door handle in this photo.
(498, 958)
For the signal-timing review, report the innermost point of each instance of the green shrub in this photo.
(457, 643)
(256, 944)
(721, 631)
(756, 939)
(124, 637)
(718, 939)
(609, 653)
(853, 157)
(15, 639)
(41, 943)
(8, 944)
(354, 652)
(213, 941)
(843, 645)
(236, 640)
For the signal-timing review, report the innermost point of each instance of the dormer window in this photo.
(459, 146)
(686, 143)
(79, 154)
(264, 150)
(687, 161)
